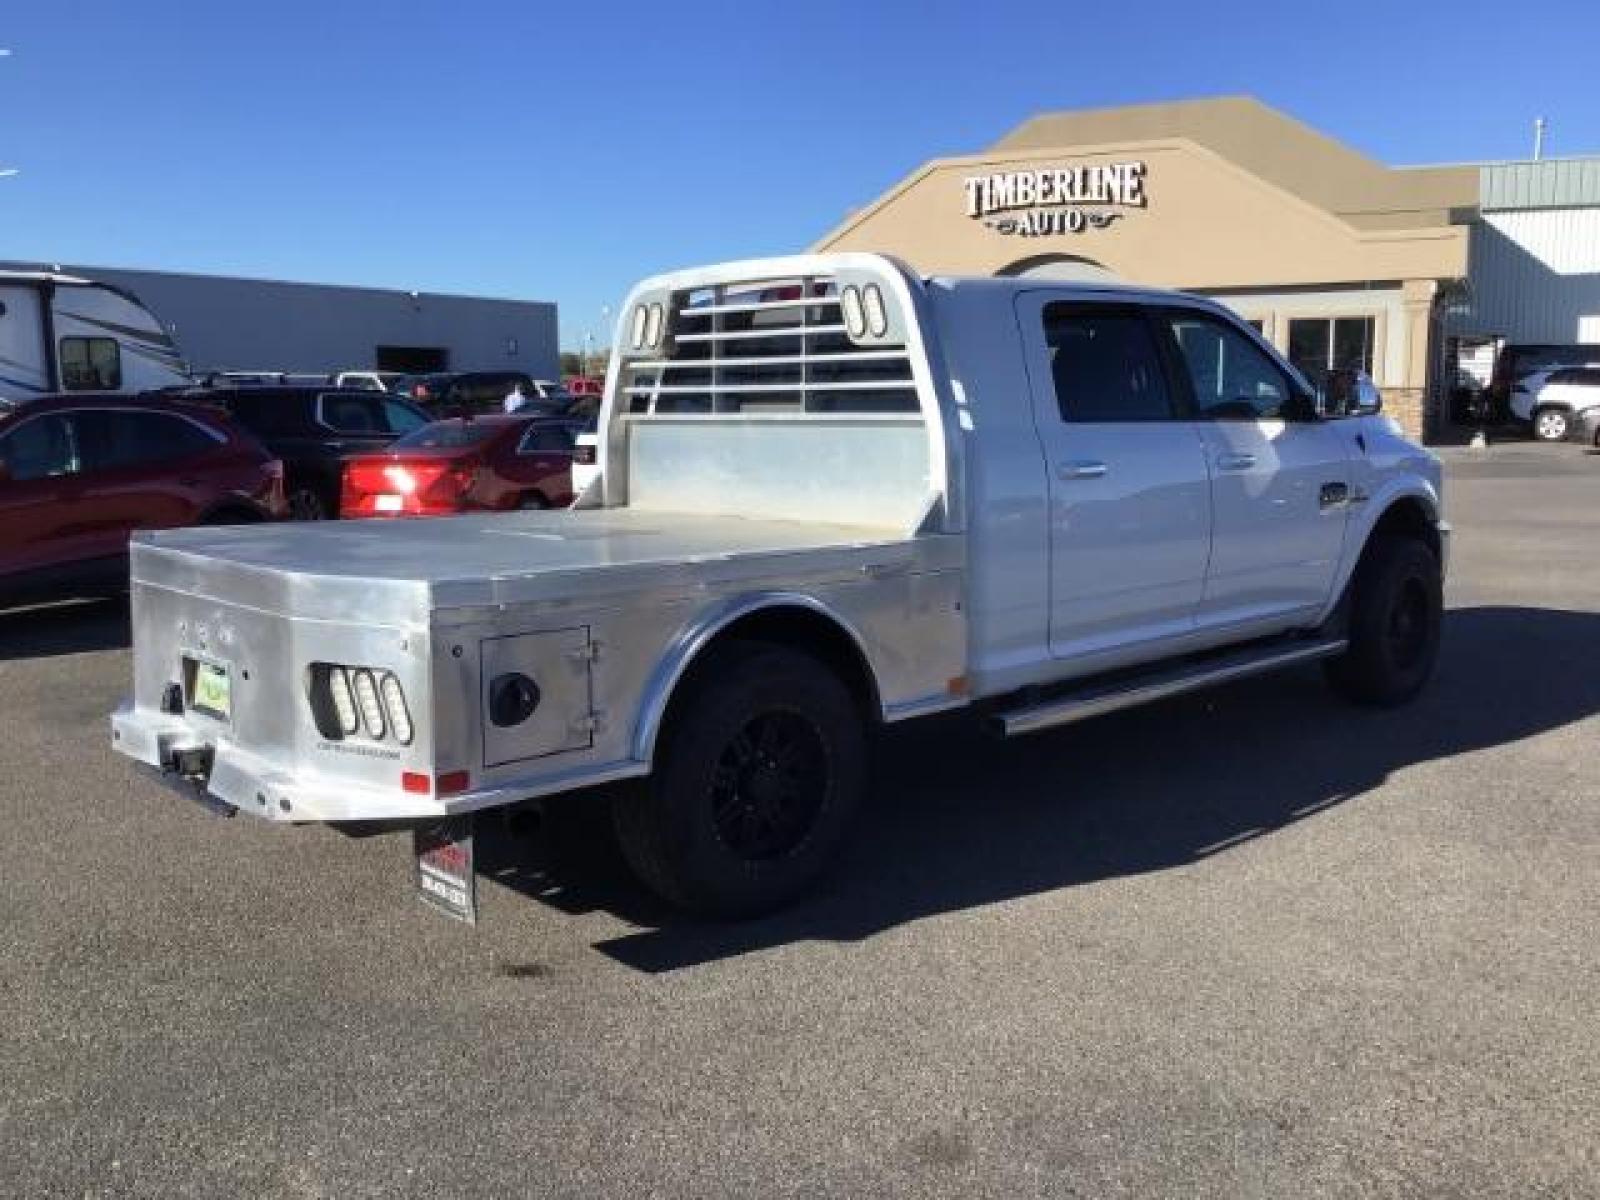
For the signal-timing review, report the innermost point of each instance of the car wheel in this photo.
(1396, 610)
(533, 500)
(757, 776)
(1551, 424)
(307, 504)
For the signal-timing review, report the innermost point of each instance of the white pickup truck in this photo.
(831, 494)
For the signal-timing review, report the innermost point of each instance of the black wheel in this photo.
(307, 504)
(757, 776)
(1396, 607)
(533, 500)
(1551, 424)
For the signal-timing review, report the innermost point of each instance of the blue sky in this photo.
(558, 151)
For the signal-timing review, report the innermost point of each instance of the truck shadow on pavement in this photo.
(70, 627)
(957, 820)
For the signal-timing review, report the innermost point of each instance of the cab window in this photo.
(1105, 364)
(1231, 377)
(90, 364)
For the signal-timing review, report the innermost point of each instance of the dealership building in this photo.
(1414, 274)
(224, 323)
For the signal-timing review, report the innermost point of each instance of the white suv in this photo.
(1548, 400)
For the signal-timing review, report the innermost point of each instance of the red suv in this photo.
(79, 474)
(465, 465)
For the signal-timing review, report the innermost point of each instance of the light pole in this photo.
(6, 172)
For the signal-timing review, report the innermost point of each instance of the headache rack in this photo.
(773, 346)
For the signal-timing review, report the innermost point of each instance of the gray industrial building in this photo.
(221, 323)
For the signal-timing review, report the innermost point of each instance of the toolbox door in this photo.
(535, 695)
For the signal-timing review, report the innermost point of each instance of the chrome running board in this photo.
(1095, 701)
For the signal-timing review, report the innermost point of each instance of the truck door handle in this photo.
(1082, 469)
(1236, 462)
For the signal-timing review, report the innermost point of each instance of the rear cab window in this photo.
(1105, 364)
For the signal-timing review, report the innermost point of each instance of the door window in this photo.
(1105, 365)
(41, 448)
(1232, 378)
(110, 439)
(90, 364)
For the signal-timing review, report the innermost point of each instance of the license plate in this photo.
(212, 692)
(388, 503)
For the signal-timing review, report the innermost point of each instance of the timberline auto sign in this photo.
(1055, 200)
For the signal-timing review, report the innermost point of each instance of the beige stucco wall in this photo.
(1206, 224)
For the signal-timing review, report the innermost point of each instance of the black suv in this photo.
(313, 430)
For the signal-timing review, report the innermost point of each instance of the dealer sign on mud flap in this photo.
(446, 876)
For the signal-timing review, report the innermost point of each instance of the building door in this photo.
(24, 371)
(1130, 501)
(413, 360)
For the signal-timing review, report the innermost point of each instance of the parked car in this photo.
(1515, 363)
(313, 430)
(464, 465)
(1080, 498)
(79, 474)
(1547, 401)
(1586, 427)
(372, 381)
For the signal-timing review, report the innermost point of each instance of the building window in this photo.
(1318, 345)
(90, 364)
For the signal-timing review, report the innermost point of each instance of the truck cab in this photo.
(829, 494)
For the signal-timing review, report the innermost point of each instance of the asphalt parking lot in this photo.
(1253, 943)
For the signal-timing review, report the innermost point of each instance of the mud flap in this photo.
(446, 876)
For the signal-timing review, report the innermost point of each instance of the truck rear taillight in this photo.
(351, 702)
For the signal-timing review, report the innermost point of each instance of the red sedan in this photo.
(466, 464)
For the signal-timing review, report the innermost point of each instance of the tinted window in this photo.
(486, 393)
(40, 448)
(1231, 376)
(1582, 375)
(368, 413)
(269, 413)
(108, 439)
(90, 364)
(1105, 365)
(547, 439)
(444, 435)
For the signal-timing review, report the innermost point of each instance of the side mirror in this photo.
(1369, 400)
(1347, 393)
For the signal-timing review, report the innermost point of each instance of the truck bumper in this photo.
(226, 778)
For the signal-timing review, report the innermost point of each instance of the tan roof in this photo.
(1274, 146)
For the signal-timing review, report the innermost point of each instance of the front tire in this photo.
(758, 774)
(1551, 424)
(1396, 610)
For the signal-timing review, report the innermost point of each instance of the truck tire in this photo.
(757, 776)
(1396, 608)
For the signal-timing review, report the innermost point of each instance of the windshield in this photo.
(444, 435)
